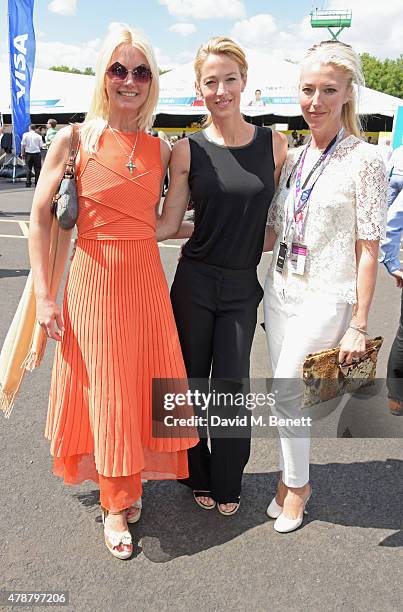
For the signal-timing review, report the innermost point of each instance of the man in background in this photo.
(390, 257)
(31, 146)
(301, 140)
(385, 149)
(395, 166)
(50, 132)
(258, 101)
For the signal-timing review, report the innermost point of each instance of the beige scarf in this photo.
(25, 342)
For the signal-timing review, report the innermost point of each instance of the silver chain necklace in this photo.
(130, 165)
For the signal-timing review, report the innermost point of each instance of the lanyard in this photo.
(300, 201)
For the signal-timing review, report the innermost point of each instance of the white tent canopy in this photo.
(54, 93)
(278, 81)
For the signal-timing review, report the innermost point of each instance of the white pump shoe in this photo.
(274, 509)
(286, 525)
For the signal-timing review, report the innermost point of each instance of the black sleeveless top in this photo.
(231, 188)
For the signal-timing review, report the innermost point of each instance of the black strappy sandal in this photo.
(197, 493)
(230, 512)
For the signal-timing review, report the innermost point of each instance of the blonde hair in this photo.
(163, 136)
(98, 113)
(219, 45)
(342, 56)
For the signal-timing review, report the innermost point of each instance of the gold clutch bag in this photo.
(325, 378)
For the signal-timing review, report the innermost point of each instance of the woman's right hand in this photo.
(49, 317)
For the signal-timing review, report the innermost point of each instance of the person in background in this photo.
(7, 142)
(31, 146)
(301, 140)
(258, 101)
(50, 132)
(395, 166)
(294, 136)
(390, 257)
(41, 130)
(385, 150)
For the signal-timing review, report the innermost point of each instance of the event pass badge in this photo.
(298, 256)
(282, 254)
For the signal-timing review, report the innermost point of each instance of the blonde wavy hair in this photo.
(342, 56)
(98, 114)
(219, 45)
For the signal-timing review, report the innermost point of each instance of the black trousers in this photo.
(215, 311)
(395, 363)
(33, 160)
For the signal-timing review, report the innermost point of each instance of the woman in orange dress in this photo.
(116, 331)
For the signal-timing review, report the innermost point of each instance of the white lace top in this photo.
(348, 203)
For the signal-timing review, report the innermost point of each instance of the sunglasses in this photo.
(118, 72)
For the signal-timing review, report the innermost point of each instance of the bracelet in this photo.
(362, 331)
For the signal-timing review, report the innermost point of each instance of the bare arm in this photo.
(40, 225)
(270, 238)
(280, 146)
(367, 269)
(353, 342)
(165, 151)
(169, 223)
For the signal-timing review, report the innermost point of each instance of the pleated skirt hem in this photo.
(120, 335)
(79, 468)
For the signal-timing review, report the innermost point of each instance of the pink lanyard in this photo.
(302, 194)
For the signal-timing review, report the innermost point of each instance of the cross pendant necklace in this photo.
(130, 165)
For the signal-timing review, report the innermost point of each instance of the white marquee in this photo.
(54, 93)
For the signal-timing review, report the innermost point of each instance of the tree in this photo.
(385, 76)
(87, 70)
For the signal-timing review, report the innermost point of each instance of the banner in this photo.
(22, 61)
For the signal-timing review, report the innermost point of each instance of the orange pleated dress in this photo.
(120, 331)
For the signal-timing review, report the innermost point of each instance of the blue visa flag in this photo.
(22, 61)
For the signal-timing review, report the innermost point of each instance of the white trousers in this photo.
(293, 331)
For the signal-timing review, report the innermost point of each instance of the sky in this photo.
(70, 32)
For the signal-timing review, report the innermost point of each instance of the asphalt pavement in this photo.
(347, 556)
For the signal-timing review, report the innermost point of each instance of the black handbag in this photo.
(65, 201)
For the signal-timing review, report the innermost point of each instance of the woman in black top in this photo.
(230, 170)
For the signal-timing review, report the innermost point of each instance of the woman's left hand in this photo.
(352, 346)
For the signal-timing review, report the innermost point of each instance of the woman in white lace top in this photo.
(327, 218)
